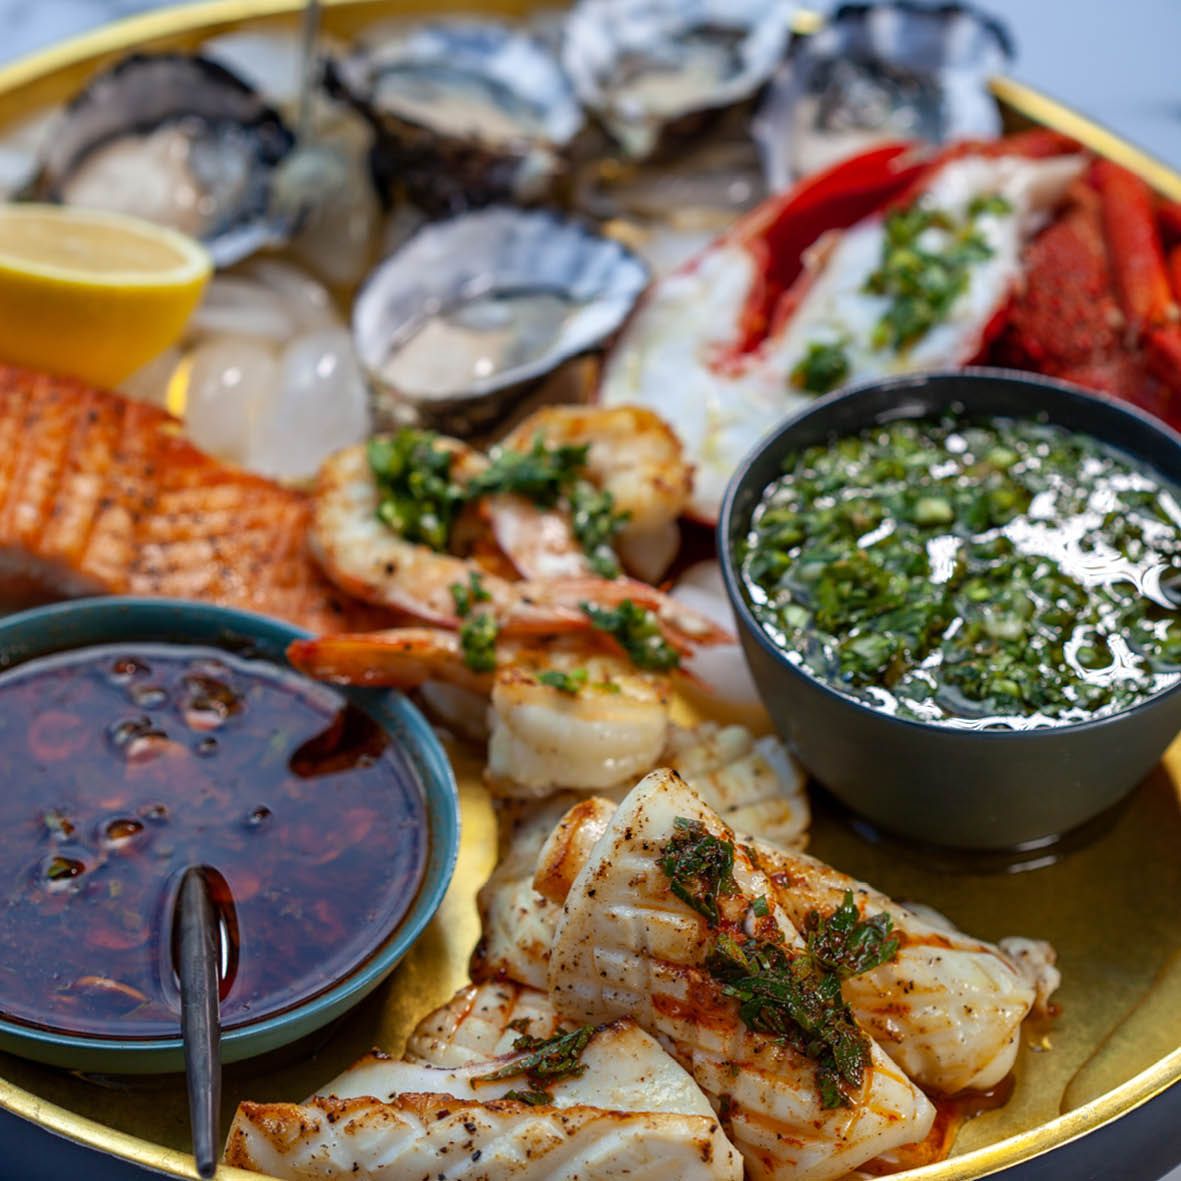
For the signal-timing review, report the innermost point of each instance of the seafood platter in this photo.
(638, 544)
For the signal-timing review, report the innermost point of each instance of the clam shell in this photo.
(475, 260)
(468, 112)
(232, 133)
(642, 65)
(895, 70)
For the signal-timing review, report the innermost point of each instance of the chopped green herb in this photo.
(533, 1098)
(930, 560)
(542, 474)
(824, 367)
(595, 523)
(477, 638)
(847, 944)
(699, 867)
(794, 996)
(992, 204)
(417, 498)
(638, 632)
(925, 267)
(521, 1024)
(467, 596)
(545, 1059)
(570, 682)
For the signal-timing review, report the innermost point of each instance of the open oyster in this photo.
(468, 112)
(642, 65)
(669, 209)
(459, 322)
(176, 139)
(881, 71)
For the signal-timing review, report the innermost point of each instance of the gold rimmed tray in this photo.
(1107, 901)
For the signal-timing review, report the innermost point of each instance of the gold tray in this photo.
(1109, 907)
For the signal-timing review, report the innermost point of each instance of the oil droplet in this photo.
(60, 872)
(126, 669)
(120, 830)
(207, 747)
(148, 696)
(137, 739)
(158, 813)
(208, 702)
(257, 817)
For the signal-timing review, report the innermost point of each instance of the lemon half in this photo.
(94, 295)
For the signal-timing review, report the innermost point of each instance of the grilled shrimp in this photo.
(601, 727)
(626, 943)
(369, 560)
(947, 1008)
(634, 455)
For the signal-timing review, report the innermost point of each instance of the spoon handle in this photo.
(200, 1023)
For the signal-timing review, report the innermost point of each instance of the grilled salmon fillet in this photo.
(103, 495)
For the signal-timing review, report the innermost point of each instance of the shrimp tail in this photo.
(402, 658)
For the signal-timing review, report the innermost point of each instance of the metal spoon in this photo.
(198, 956)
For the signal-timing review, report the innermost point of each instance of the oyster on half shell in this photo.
(874, 72)
(468, 112)
(176, 139)
(456, 325)
(642, 65)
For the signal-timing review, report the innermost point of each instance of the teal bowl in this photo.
(85, 622)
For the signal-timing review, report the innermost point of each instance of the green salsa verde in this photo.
(1000, 573)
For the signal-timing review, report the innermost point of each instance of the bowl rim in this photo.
(438, 782)
(732, 578)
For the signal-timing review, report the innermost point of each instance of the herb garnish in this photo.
(792, 998)
(467, 596)
(477, 638)
(543, 474)
(792, 995)
(845, 943)
(564, 682)
(533, 1098)
(823, 368)
(922, 278)
(420, 501)
(543, 1061)
(595, 523)
(637, 631)
(417, 497)
(699, 867)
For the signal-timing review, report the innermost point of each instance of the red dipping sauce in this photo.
(120, 767)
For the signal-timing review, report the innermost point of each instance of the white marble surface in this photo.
(1114, 61)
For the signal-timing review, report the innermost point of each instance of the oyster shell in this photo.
(176, 139)
(468, 112)
(669, 209)
(876, 72)
(471, 312)
(642, 65)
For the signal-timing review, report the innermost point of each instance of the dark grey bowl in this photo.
(969, 789)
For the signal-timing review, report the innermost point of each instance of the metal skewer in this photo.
(307, 81)
(198, 954)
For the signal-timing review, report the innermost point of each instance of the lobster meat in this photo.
(1071, 280)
